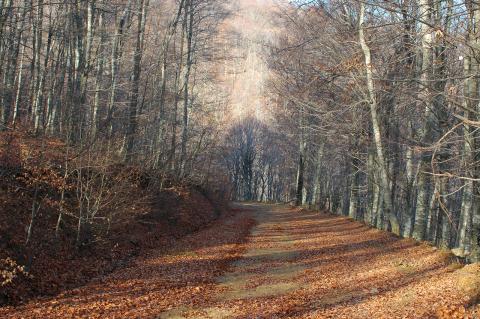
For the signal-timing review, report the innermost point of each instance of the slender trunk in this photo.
(422, 209)
(173, 142)
(37, 94)
(317, 188)
(465, 218)
(35, 203)
(475, 170)
(354, 186)
(62, 196)
(377, 134)
(465, 225)
(99, 76)
(369, 213)
(137, 60)
(16, 105)
(409, 179)
(115, 63)
(189, 14)
(6, 71)
(300, 169)
(56, 99)
(163, 86)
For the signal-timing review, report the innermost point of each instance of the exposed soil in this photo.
(294, 264)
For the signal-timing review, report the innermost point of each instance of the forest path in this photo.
(294, 264)
(300, 264)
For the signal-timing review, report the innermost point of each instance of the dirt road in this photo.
(293, 264)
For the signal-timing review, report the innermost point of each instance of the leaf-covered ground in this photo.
(133, 215)
(294, 264)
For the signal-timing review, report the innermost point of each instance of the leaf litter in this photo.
(294, 264)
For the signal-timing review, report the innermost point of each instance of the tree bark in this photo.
(422, 209)
(137, 60)
(377, 134)
(189, 15)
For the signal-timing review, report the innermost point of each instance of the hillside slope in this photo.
(130, 216)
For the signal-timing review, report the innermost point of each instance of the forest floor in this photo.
(292, 264)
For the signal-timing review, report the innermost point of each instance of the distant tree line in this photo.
(253, 155)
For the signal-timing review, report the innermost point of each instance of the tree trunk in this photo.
(137, 60)
(189, 15)
(98, 76)
(422, 210)
(377, 134)
(317, 180)
(300, 171)
(474, 170)
(115, 63)
(353, 209)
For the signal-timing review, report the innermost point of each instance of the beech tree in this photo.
(389, 101)
(90, 73)
(373, 107)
